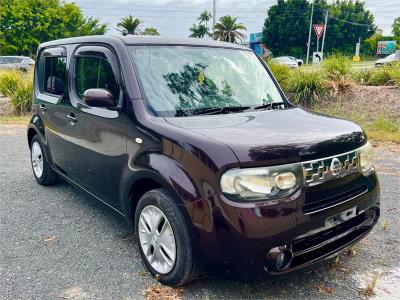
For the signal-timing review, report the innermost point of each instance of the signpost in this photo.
(317, 58)
(319, 29)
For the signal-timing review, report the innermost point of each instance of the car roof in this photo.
(144, 40)
(14, 56)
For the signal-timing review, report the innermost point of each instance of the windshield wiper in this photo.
(269, 105)
(221, 110)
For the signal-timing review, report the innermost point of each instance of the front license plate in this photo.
(342, 217)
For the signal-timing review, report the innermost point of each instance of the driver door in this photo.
(96, 151)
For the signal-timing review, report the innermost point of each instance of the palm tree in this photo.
(205, 16)
(150, 31)
(130, 24)
(227, 30)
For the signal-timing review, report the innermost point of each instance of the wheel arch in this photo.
(36, 126)
(146, 181)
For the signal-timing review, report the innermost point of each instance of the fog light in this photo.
(279, 259)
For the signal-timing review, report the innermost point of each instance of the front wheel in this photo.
(164, 238)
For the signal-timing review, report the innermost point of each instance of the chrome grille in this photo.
(320, 170)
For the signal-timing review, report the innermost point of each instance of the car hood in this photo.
(277, 136)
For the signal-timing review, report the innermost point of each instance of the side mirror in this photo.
(99, 98)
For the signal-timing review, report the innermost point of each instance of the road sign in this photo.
(319, 29)
(317, 58)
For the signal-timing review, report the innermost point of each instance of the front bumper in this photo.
(240, 236)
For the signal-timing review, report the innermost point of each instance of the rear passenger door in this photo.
(52, 98)
(97, 136)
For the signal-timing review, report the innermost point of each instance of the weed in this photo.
(370, 285)
(385, 224)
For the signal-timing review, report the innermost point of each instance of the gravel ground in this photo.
(57, 243)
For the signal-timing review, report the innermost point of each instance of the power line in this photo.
(352, 23)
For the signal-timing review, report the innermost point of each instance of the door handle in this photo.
(72, 119)
(42, 107)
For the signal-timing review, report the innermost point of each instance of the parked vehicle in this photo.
(16, 62)
(193, 142)
(297, 60)
(285, 60)
(394, 57)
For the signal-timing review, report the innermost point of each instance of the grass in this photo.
(383, 128)
(10, 120)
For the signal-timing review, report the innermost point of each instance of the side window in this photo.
(94, 72)
(54, 75)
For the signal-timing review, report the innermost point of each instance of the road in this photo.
(57, 243)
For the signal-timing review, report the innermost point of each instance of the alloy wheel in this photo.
(157, 239)
(37, 159)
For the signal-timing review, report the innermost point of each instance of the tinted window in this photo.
(94, 72)
(54, 77)
(14, 60)
(2, 60)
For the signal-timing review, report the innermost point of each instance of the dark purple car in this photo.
(194, 143)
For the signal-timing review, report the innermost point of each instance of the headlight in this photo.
(366, 156)
(262, 183)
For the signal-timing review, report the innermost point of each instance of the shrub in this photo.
(363, 76)
(394, 74)
(21, 100)
(9, 81)
(307, 87)
(18, 87)
(338, 69)
(380, 76)
(281, 73)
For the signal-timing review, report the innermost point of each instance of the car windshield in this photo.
(184, 80)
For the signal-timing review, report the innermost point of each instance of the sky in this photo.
(173, 18)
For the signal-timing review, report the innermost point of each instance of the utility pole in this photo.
(323, 37)
(214, 14)
(309, 32)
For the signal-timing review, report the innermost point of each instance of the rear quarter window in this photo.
(52, 74)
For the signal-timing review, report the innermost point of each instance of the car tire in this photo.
(174, 268)
(42, 171)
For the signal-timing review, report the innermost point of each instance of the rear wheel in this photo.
(164, 238)
(42, 171)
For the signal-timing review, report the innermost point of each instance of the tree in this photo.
(130, 24)
(286, 27)
(150, 31)
(342, 36)
(24, 24)
(205, 16)
(396, 29)
(287, 23)
(228, 30)
(198, 31)
(201, 30)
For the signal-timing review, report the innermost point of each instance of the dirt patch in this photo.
(157, 292)
(373, 101)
